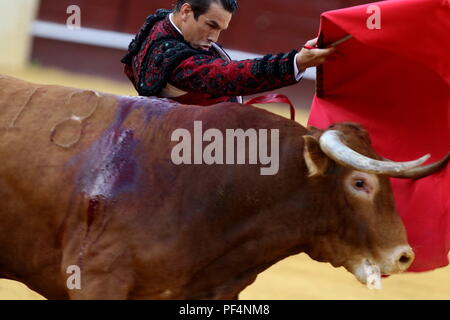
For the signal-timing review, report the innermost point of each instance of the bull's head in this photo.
(363, 231)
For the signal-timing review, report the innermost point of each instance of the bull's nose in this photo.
(405, 258)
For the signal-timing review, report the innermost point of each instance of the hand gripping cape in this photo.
(394, 79)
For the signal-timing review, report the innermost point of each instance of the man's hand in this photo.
(313, 57)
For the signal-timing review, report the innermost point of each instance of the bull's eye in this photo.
(362, 185)
(359, 184)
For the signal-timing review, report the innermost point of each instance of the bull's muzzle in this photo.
(394, 261)
(402, 258)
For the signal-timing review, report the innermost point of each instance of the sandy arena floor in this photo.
(294, 278)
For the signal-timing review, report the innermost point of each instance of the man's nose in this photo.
(214, 37)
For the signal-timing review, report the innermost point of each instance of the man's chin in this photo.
(201, 46)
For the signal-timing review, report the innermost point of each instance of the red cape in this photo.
(395, 81)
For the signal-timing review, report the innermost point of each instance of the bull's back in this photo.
(49, 121)
(44, 126)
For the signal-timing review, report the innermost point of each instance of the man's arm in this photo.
(169, 60)
(218, 77)
(204, 74)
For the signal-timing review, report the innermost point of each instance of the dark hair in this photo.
(202, 6)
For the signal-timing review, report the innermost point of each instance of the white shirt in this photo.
(298, 75)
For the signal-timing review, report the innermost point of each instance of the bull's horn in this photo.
(333, 147)
(421, 172)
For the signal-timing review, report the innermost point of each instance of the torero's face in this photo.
(202, 32)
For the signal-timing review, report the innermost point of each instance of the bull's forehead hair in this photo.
(348, 125)
(351, 129)
(356, 137)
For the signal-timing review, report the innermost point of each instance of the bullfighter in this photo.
(176, 55)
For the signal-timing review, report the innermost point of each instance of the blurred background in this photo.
(38, 46)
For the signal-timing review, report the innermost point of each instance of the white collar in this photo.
(174, 25)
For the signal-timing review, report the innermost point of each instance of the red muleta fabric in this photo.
(395, 81)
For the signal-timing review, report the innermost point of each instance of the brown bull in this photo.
(87, 180)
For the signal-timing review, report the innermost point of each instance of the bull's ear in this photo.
(316, 161)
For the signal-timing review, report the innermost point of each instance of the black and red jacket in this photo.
(159, 56)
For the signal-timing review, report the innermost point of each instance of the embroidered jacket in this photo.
(161, 63)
